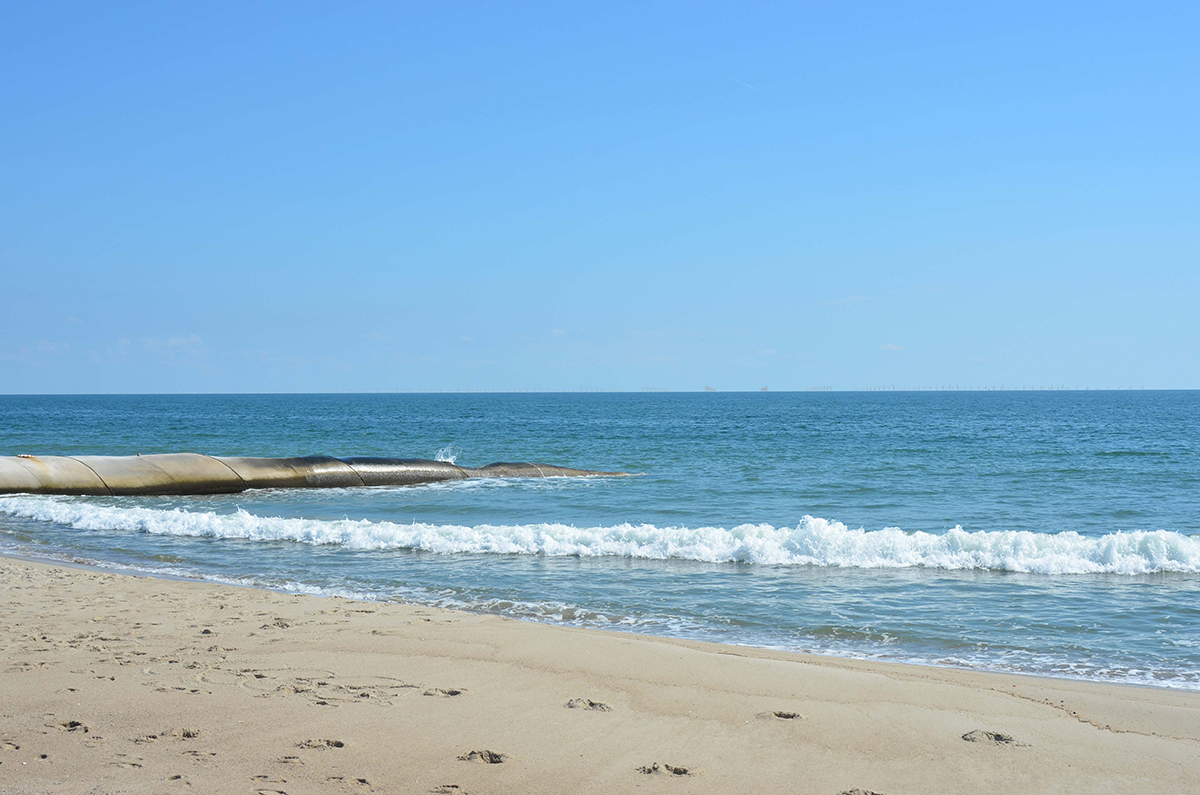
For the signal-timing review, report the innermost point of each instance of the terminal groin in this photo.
(194, 473)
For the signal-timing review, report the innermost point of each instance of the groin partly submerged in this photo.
(194, 473)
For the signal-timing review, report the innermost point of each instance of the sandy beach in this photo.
(114, 683)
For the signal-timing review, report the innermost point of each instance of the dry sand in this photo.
(112, 683)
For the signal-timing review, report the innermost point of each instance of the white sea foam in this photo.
(448, 454)
(813, 542)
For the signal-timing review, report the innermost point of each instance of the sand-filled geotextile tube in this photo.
(193, 473)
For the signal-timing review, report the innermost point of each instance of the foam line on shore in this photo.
(812, 542)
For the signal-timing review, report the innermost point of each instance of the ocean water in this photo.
(1053, 533)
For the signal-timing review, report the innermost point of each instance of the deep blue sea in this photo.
(1053, 533)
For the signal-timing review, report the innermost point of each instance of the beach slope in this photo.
(112, 683)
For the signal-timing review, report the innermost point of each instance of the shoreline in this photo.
(129, 682)
(811, 656)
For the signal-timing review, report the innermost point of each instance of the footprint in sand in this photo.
(437, 691)
(72, 726)
(178, 734)
(485, 756)
(321, 744)
(124, 760)
(996, 738)
(200, 757)
(587, 703)
(318, 687)
(655, 768)
(857, 791)
(355, 783)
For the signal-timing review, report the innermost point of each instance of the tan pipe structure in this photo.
(193, 473)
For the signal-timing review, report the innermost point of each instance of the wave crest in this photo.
(812, 542)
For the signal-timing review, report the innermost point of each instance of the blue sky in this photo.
(286, 196)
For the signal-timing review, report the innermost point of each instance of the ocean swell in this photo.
(812, 542)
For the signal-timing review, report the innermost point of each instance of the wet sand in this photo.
(113, 683)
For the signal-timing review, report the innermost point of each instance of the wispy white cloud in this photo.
(36, 354)
(889, 346)
(176, 350)
(190, 342)
(278, 358)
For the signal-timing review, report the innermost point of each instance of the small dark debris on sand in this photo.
(321, 744)
(450, 693)
(485, 756)
(587, 703)
(652, 769)
(981, 736)
(780, 714)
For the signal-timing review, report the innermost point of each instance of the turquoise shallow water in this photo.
(1049, 532)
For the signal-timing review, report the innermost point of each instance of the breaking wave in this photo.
(812, 542)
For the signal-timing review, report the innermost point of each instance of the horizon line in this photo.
(643, 391)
